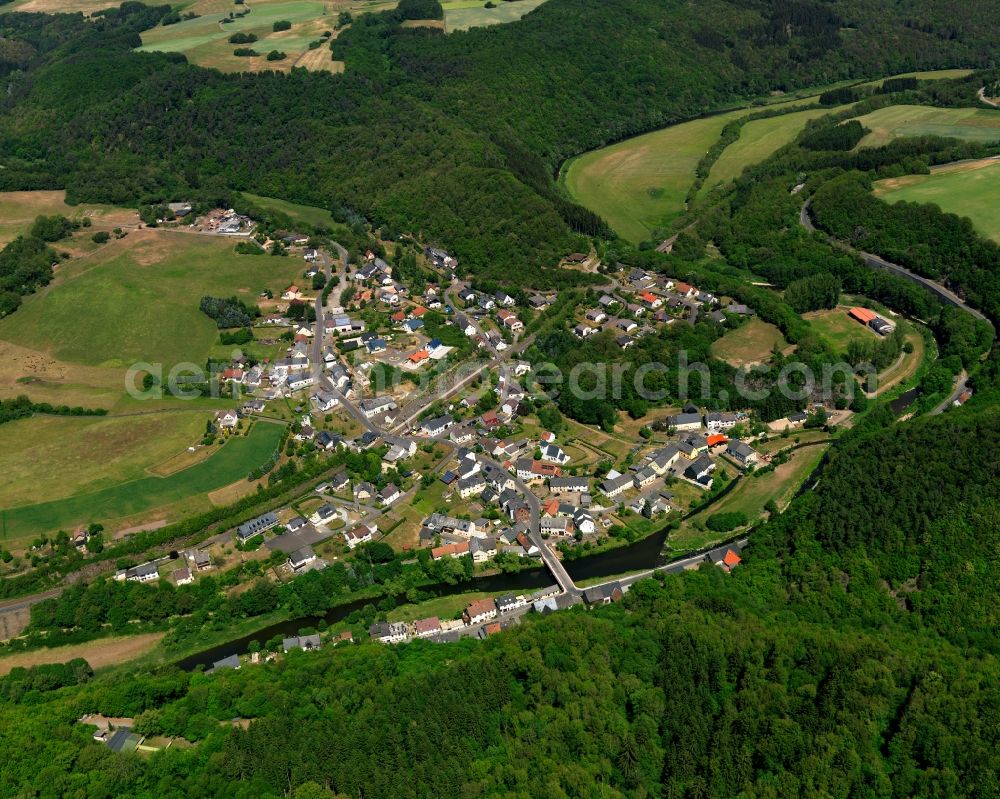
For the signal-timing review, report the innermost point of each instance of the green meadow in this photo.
(304, 214)
(232, 462)
(895, 121)
(461, 15)
(759, 140)
(137, 300)
(969, 189)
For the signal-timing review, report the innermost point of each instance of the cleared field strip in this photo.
(464, 14)
(970, 189)
(99, 653)
(759, 140)
(53, 457)
(231, 462)
(970, 124)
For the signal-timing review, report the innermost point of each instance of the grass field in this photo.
(969, 189)
(444, 607)
(230, 463)
(55, 457)
(461, 15)
(837, 329)
(750, 496)
(971, 124)
(640, 184)
(205, 41)
(759, 140)
(306, 214)
(99, 653)
(749, 344)
(137, 300)
(18, 210)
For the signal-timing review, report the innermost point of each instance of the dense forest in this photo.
(454, 138)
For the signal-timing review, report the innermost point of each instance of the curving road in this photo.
(943, 294)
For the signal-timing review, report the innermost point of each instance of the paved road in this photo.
(319, 332)
(961, 383)
(710, 555)
(875, 262)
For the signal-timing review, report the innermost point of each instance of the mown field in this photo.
(639, 185)
(971, 124)
(53, 457)
(751, 343)
(306, 214)
(136, 300)
(231, 462)
(969, 189)
(464, 14)
(837, 329)
(18, 210)
(759, 140)
(100, 653)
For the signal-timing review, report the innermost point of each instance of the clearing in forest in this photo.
(895, 121)
(971, 189)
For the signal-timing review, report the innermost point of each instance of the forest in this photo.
(453, 138)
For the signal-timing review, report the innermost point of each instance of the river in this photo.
(642, 554)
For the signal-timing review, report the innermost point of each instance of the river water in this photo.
(642, 554)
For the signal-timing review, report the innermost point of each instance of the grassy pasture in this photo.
(18, 210)
(971, 124)
(759, 140)
(55, 457)
(205, 40)
(750, 496)
(837, 329)
(231, 462)
(753, 342)
(137, 300)
(969, 189)
(640, 184)
(461, 15)
(305, 214)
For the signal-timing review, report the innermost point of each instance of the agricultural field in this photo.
(229, 463)
(141, 294)
(969, 189)
(205, 39)
(971, 124)
(55, 457)
(759, 140)
(460, 15)
(640, 184)
(933, 74)
(100, 653)
(18, 210)
(751, 343)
